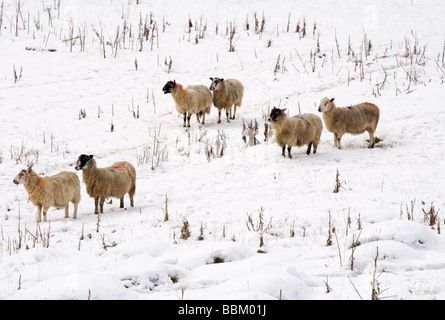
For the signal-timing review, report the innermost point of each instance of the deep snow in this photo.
(136, 254)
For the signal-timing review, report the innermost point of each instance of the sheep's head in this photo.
(83, 161)
(276, 114)
(216, 83)
(168, 86)
(325, 104)
(21, 177)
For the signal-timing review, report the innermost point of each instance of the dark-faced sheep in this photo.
(109, 182)
(226, 93)
(302, 129)
(54, 191)
(195, 99)
(354, 119)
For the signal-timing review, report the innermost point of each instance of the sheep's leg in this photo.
(101, 203)
(371, 139)
(96, 202)
(308, 152)
(203, 118)
(39, 213)
(288, 152)
(283, 152)
(227, 115)
(66, 211)
(188, 120)
(198, 114)
(337, 140)
(122, 202)
(45, 210)
(131, 200)
(315, 148)
(219, 116)
(234, 112)
(75, 211)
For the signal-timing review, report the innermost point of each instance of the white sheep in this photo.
(354, 119)
(195, 99)
(227, 93)
(54, 191)
(113, 181)
(303, 129)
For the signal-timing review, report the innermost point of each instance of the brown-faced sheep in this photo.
(54, 191)
(296, 131)
(226, 93)
(195, 99)
(110, 182)
(354, 119)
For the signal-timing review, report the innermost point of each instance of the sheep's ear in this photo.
(211, 78)
(91, 156)
(332, 100)
(29, 168)
(222, 79)
(282, 110)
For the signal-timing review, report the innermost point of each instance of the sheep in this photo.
(113, 181)
(354, 119)
(226, 93)
(54, 191)
(195, 99)
(298, 130)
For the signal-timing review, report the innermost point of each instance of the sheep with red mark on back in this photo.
(355, 119)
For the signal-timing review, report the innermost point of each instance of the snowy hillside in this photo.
(215, 217)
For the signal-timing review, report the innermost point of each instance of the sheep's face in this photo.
(216, 83)
(83, 161)
(168, 86)
(325, 104)
(20, 178)
(276, 114)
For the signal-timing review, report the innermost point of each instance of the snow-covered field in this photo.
(261, 226)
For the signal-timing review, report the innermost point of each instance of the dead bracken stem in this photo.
(375, 285)
(166, 209)
(329, 240)
(338, 183)
(185, 231)
(259, 226)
